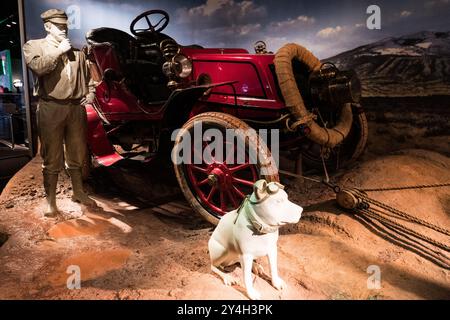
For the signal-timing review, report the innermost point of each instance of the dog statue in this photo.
(250, 232)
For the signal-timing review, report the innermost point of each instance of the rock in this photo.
(33, 292)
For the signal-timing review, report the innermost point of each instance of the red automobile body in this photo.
(254, 93)
(149, 86)
(250, 93)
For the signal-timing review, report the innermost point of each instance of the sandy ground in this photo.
(145, 243)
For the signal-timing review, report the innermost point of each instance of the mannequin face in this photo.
(56, 30)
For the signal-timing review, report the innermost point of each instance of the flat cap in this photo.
(55, 16)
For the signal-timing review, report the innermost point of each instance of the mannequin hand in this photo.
(88, 99)
(65, 45)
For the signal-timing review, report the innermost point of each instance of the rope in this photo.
(364, 210)
(401, 213)
(420, 186)
(304, 120)
(397, 225)
(410, 244)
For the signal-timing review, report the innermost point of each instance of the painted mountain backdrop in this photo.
(413, 65)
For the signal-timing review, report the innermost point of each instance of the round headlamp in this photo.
(182, 66)
(330, 87)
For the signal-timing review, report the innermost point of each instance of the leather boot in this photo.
(77, 186)
(50, 182)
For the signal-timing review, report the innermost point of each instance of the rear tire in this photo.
(349, 150)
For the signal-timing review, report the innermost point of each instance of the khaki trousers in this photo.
(62, 130)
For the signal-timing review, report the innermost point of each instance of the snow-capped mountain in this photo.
(411, 65)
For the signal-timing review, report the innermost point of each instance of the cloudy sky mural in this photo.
(326, 27)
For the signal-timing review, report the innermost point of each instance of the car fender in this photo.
(98, 143)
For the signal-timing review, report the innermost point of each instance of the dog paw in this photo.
(230, 280)
(253, 294)
(279, 283)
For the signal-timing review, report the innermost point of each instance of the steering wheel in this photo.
(153, 28)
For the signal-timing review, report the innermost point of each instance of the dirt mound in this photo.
(153, 246)
(407, 274)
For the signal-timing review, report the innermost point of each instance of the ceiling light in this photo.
(17, 83)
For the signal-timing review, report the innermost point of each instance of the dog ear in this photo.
(259, 188)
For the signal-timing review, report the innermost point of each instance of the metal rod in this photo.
(299, 169)
(11, 128)
(325, 171)
(26, 89)
(287, 173)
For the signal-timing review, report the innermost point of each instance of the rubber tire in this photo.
(228, 122)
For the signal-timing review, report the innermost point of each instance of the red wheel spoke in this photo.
(254, 173)
(199, 169)
(238, 192)
(230, 154)
(197, 154)
(222, 200)
(203, 182)
(240, 167)
(232, 198)
(211, 193)
(223, 174)
(206, 146)
(244, 182)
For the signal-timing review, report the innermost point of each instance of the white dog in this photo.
(250, 232)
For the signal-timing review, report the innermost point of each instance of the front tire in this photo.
(216, 186)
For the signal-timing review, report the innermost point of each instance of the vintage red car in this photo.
(149, 86)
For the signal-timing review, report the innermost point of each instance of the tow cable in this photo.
(375, 213)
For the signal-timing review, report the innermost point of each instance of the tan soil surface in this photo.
(145, 243)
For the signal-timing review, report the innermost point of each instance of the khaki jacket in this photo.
(57, 76)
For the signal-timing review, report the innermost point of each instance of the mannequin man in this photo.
(62, 83)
